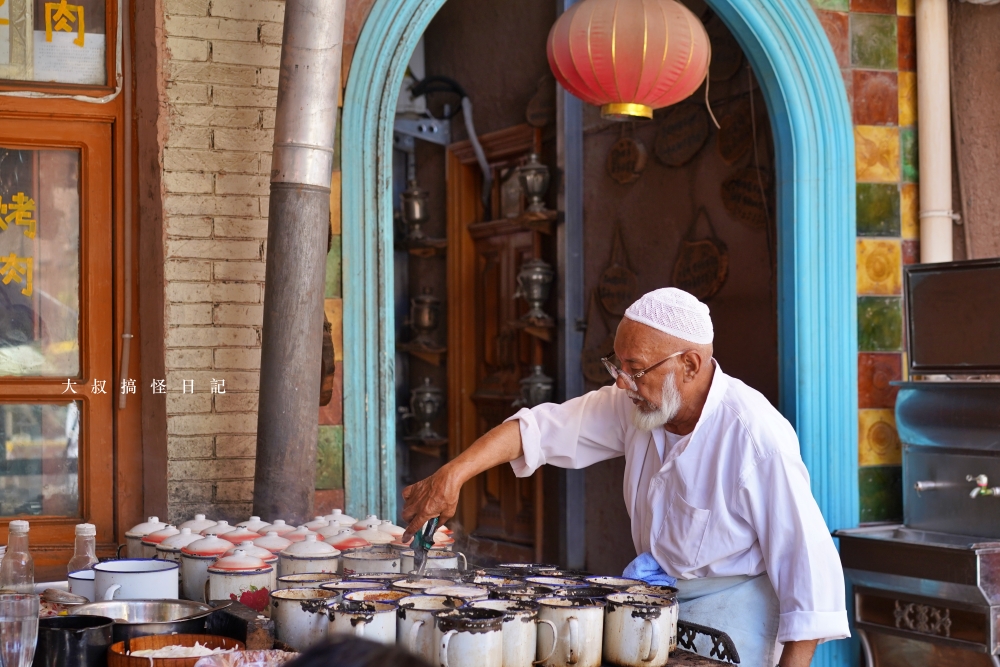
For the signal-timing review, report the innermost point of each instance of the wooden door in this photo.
(488, 353)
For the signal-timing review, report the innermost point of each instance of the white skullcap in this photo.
(674, 312)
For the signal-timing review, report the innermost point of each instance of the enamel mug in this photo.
(373, 595)
(579, 632)
(469, 637)
(195, 561)
(300, 616)
(241, 577)
(638, 629)
(415, 623)
(520, 633)
(306, 580)
(306, 556)
(375, 621)
(466, 592)
(81, 583)
(416, 586)
(136, 579)
(437, 559)
(369, 562)
(621, 584)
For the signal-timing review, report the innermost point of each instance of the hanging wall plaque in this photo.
(743, 198)
(681, 135)
(702, 266)
(627, 158)
(727, 56)
(735, 133)
(617, 286)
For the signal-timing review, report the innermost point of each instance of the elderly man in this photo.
(714, 483)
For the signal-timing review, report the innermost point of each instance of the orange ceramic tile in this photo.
(880, 264)
(334, 309)
(838, 32)
(876, 154)
(878, 441)
(335, 203)
(876, 98)
(907, 98)
(909, 207)
(904, 7)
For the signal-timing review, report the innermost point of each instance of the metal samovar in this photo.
(534, 281)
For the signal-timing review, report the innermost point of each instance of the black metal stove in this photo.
(927, 592)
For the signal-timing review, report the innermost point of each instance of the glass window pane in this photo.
(60, 41)
(40, 456)
(39, 262)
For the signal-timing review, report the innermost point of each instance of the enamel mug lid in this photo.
(252, 550)
(253, 523)
(180, 540)
(278, 526)
(347, 539)
(298, 534)
(310, 547)
(272, 542)
(374, 535)
(218, 528)
(392, 529)
(317, 522)
(155, 538)
(370, 521)
(152, 525)
(208, 546)
(237, 535)
(240, 561)
(197, 524)
(338, 517)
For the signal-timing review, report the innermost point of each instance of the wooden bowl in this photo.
(118, 658)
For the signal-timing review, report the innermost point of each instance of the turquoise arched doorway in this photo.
(806, 100)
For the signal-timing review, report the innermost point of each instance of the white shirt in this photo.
(732, 498)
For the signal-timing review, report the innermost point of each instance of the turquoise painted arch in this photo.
(817, 312)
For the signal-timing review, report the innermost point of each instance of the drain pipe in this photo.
(297, 230)
(934, 131)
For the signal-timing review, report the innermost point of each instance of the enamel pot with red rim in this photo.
(238, 535)
(243, 578)
(300, 616)
(639, 630)
(309, 555)
(254, 523)
(259, 552)
(133, 538)
(272, 542)
(150, 542)
(197, 524)
(170, 548)
(195, 559)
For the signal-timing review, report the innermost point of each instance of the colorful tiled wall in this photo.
(875, 45)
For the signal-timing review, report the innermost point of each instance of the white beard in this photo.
(648, 416)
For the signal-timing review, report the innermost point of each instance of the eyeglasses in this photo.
(630, 378)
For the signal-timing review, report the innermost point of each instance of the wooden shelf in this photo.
(432, 355)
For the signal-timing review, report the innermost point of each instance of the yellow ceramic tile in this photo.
(907, 98)
(906, 368)
(904, 7)
(879, 266)
(909, 207)
(876, 154)
(335, 203)
(334, 309)
(878, 441)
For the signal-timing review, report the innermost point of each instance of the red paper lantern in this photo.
(629, 56)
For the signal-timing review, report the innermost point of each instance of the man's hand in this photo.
(798, 654)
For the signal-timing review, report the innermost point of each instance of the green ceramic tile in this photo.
(881, 491)
(873, 41)
(832, 5)
(908, 153)
(333, 270)
(337, 143)
(878, 209)
(880, 323)
(330, 458)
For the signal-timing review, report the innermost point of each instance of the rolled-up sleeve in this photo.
(574, 434)
(801, 559)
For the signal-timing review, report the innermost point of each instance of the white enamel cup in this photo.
(415, 623)
(372, 595)
(467, 592)
(579, 636)
(637, 629)
(81, 582)
(469, 637)
(136, 579)
(306, 580)
(300, 616)
(437, 559)
(369, 562)
(375, 621)
(520, 630)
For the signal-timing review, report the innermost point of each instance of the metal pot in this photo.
(73, 641)
(138, 618)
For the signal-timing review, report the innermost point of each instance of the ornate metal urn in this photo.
(414, 204)
(534, 281)
(425, 405)
(535, 181)
(425, 310)
(535, 389)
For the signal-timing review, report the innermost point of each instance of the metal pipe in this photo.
(934, 130)
(297, 230)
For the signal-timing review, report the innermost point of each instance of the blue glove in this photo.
(646, 568)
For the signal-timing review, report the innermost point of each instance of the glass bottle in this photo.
(85, 549)
(17, 572)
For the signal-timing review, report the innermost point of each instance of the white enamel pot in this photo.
(369, 562)
(300, 616)
(306, 580)
(437, 559)
(469, 637)
(579, 632)
(241, 577)
(638, 629)
(375, 621)
(520, 629)
(415, 629)
(81, 582)
(136, 579)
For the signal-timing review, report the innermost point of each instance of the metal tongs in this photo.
(422, 542)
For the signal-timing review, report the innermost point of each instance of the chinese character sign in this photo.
(64, 17)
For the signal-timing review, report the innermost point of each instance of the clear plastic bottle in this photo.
(17, 572)
(85, 549)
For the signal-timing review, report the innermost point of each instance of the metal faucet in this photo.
(982, 486)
